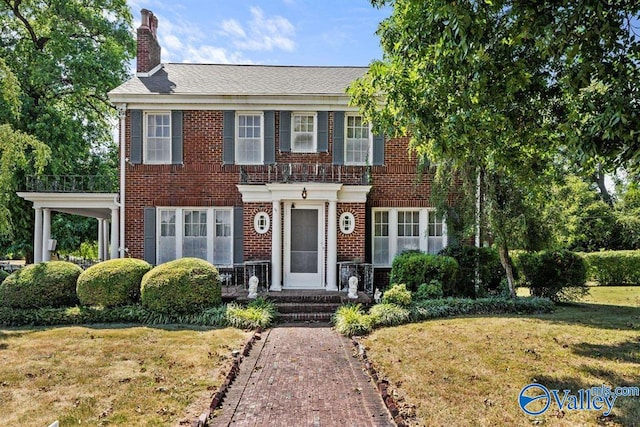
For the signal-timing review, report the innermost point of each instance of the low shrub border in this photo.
(214, 316)
(351, 320)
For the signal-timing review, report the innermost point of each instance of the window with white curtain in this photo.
(303, 132)
(205, 233)
(249, 138)
(396, 230)
(358, 141)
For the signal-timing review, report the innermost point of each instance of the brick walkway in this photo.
(302, 376)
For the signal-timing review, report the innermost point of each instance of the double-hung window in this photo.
(205, 233)
(249, 138)
(303, 132)
(157, 141)
(358, 141)
(397, 230)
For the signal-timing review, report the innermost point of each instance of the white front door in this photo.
(304, 243)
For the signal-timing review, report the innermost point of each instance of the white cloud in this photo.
(262, 33)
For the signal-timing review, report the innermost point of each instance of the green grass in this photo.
(470, 370)
(110, 375)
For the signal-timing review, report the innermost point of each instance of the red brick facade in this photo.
(203, 180)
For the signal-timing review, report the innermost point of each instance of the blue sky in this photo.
(276, 32)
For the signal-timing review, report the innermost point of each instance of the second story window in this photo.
(357, 145)
(303, 132)
(157, 138)
(249, 138)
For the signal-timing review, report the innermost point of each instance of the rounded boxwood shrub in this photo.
(3, 275)
(112, 283)
(491, 272)
(182, 286)
(415, 268)
(46, 284)
(559, 275)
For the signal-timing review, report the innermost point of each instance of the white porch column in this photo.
(105, 239)
(332, 246)
(115, 227)
(276, 248)
(37, 237)
(46, 234)
(100, 239)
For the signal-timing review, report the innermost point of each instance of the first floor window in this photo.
(157, 140)
(249, 139)
(397, 230)
(194, 243)
(205, 233)
(167, 236)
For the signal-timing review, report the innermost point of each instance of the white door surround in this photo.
(304, 194)
(304, 245)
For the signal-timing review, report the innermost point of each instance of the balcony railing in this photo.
(72, 184)
(305, 172)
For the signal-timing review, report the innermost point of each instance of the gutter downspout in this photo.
(122, 110)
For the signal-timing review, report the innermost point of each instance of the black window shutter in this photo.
(269, 137)
(285, 131)
(150, 235)
(176, 137)
(228, 137)
(338, 137)
(135, 156)
(238, 235)
(323, 131)
(378, 150)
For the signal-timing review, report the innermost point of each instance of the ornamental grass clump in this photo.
(387, 314)
(260, 313)
(350, 320)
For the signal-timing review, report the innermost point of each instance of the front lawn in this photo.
(470, 370)
(111, 375)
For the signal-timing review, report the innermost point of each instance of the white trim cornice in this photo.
(314, 192)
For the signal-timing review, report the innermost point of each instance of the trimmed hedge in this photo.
(182, 286)
(559, 275)
(613, 268)
(3, 275)
(46, 284)
(112, 283)
(415, 268)
(397, 294)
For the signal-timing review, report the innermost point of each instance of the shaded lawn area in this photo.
(111, 375)
(469, 371)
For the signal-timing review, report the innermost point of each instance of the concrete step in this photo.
(306, 307)
(304, 317)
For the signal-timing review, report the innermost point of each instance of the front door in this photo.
(303, 246)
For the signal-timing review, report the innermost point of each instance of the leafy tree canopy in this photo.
(498, 89)
(63, 57)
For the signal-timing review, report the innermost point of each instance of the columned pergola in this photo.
(102, 206)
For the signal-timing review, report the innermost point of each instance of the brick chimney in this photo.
(148, 46)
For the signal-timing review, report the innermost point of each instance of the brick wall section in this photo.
(351, 246)
(202, 180)
(256, 246)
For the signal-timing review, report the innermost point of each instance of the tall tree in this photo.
(491, 89)
(66, 56)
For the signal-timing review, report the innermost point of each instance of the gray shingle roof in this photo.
(214, 79)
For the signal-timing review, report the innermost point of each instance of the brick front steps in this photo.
(307, 306)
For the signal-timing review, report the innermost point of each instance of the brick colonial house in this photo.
(243, 163)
